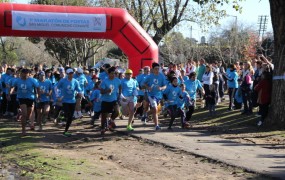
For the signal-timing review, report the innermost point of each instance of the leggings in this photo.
(68, 109)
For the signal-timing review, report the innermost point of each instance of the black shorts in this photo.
(108, 107)
(41, 105)
(141, 98)
(26, 101)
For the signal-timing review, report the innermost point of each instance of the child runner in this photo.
(95, 98)
(155, 83)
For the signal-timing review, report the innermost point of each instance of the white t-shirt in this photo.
(208, 78)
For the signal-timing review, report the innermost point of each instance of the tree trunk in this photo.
(277, 110)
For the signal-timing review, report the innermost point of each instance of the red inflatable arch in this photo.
(25, 20)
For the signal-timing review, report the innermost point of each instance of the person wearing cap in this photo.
(61, 71)
(43, 106)
(129, 97)
(69, 87)
(26, 95)
(110, 89)
(82, 83)
(155, 83)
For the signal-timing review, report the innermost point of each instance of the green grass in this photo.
(33, 163)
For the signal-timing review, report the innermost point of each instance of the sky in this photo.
(251, 9)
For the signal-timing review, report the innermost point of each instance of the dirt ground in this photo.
(88, 155)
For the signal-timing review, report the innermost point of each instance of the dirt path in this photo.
(49, 155)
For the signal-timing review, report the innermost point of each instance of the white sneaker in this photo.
(259, 123)
(75, 115)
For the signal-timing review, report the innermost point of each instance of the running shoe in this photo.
(130, 128)
(67, 134)
(157, 128)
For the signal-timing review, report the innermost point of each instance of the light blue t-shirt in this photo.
(6, 81)
(56, 92)
(185, 78)
(172, 93)
(45, 86)
(129, 86)
(103, 75)
(155, 81)
(184, 101)
(113, 84)
(233, 76)
(68, 89)
(11, 82)
(140, 80)
(192, 86)
(26, 88)
(82, 81)
(96, 100)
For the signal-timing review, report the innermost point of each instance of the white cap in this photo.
(69, 71)
(79, 70)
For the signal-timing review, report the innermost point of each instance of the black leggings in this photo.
(68, 109)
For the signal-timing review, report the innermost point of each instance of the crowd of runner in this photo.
(62, 93)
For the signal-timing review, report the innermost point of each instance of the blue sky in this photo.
(249, 16)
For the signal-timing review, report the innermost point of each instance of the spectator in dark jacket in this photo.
(264, 95)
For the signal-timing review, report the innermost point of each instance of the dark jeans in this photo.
(263, 110)
(247, 101)
(207, 92)
(217, 92)
(68, 109)
(189, 113)
(232, 93)
(175, 112)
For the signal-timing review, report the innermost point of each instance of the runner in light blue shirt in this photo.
(69, 87)
(110, 89)
(26, 94)
(43, 106)
(192, 85)
(129, 97)
(155, 83)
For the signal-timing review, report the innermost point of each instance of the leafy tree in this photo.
(7, 49)
(159, 17)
